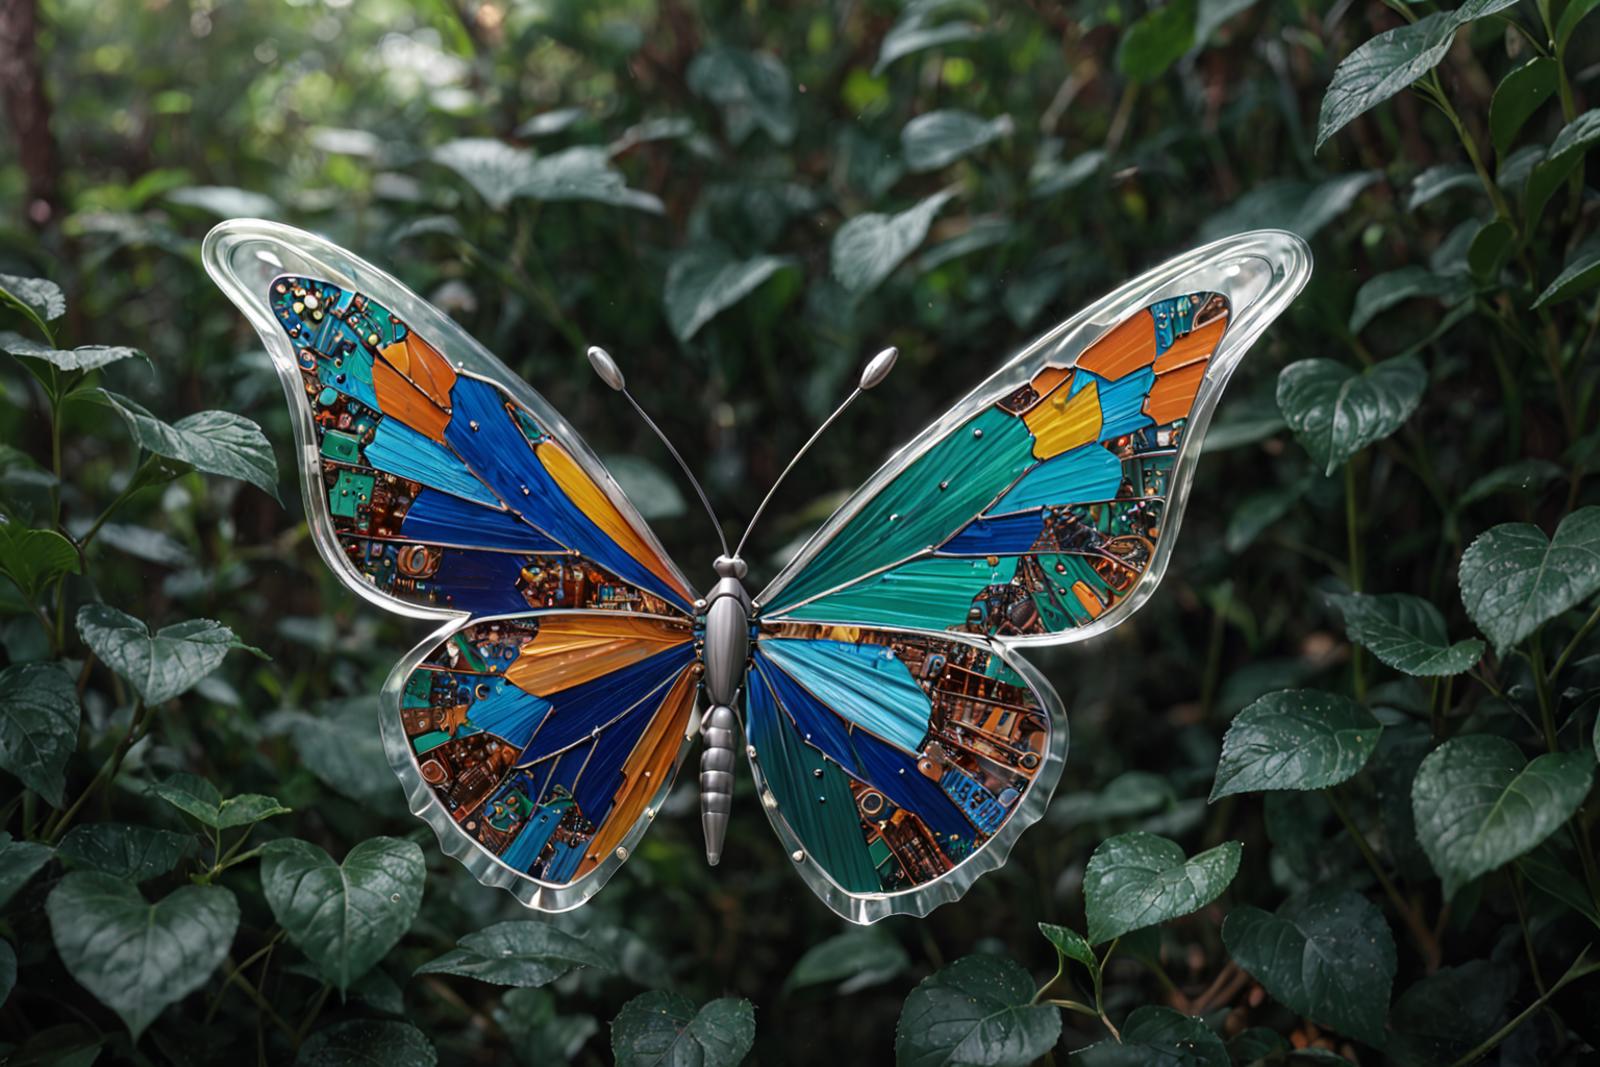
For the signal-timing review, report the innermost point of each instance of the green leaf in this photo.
(1212, 14)
(1383, 291)
(523, 952)
(938, 138)
(583, 172)
(1156, 41)
(1137, 879)
(916, 30)
(362, 1042)
(662, 1029)
(868, 247)
(495, 170)
(1154, 1036)
(38, 726)
(38, 298)
(1575, 13)
(1560, 160)
(1257, 512)
(540, 1036)
(1522, 476)
(1327, 954)
(977, 1012)
(134, 956)
(216, 442)
(32, 559)
(1490, 249)
(1438, 180)
(83, 358)
(344, 917)
(751, 89)
(1071, 944)
(1335, 412)
(1407, 633)
(131, 853)
(1517, 97)
(340, 744)
(1581, 274)
(1382, 67)
(706, 279)
(1513, 580)
(1295, 739)
(160, 665)
(195, 796)
(1447, 1014)
(1301, 207)
(1479, 804)
(8, 971)
(19, 862)
(227, 202)
(856, 959)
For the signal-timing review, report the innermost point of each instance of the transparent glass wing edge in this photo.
(1260, 272)
(243, 256)
(482, 865)
(867, 908)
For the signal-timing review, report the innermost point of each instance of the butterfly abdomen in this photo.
(725, 652)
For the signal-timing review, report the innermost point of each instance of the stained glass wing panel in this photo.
(436, 481)
(897, 767)
(1043, 507)
(539, 747)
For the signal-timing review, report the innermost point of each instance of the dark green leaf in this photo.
(868, 247)
(1517, 97)
(1301, 207)
(496, 170)
(1137, 879)
(1514, 580)
(523, 952)
(19, 862)
(1382, 67)
(1524, 476)
(1383, 291)
(132, 853)
(1562, 158)
(32, 559)
(1443, 1017)
(856, 960)
(977, 1012)
(1406, 633)
(1327, 955)
(344, 917)
(1295, 739)
(918, 29)
(42, 299)
(216, 442)
(662, 1029)
(938, 138)
(195, 796)
(751, 89)
(8, 971)
(1574, 13)
(1157, 40)
(341, 744)
(1550, 870)
(160, 665)
(1050, 176)
(539, 1036)
(38, 726)
(1438, 180)
(583, 172)
(1071, 944)
(705, 280)
(1155, 1036)
(1479, 804)
(1210, 16)
(1335, 411)
(1490, 249)
(134, 956)
(367, 1043)
(83, 358)
(227, 202)
(1581, 274)
(1257, 512)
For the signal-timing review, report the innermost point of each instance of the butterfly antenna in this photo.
(877, 370)
(611, 374)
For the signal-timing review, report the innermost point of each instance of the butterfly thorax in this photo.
(724, 654)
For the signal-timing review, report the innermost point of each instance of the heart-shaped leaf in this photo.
(1295, 739)
(1335, 412)
(132, 853)
(134, 956)
(496, 170)
(523, 952)
(32, 559)
(856, 959)
(1406, 633)
(195, 796)
(1479, 804)
(341, 744)
(869, 247)
(19, 861)
(662, 1029)
(1137, 879)
(705, 280)
(1156, 1035)
(367, 1041)
(216, 442)
(344, 917)
(978, 1010)
(158, 665)
(1327, 955)
(38, 726)
(1514, 580)
(937, 139)
(753, 91)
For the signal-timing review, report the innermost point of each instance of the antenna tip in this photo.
(607, 368)
(880, 366)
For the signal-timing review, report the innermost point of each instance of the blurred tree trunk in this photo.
(27, 107)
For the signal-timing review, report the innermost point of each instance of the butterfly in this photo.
(898, 741)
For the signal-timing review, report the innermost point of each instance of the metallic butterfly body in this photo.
(898, 742)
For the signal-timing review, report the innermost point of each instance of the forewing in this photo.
(1043, 507)
(539, 747)
(436, 481)
(897, 767)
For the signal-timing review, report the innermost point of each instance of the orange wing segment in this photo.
(572, 649)
(1197, 344)
(1173, 394)
(397, 396)
(422, 363)
(1131, 345)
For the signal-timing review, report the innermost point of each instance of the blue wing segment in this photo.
(1090, 472)
(864, 684)
(1002, 535)
(441, 518)
(578, 712)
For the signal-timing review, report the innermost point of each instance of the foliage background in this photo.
(747, 134)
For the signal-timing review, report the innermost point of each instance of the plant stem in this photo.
(108, 771)
(1541, 688)
(1522, 921)
(216, 1000)
(1426, 941)
(1579, 969)
(1352, 529)
(1577, 638)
